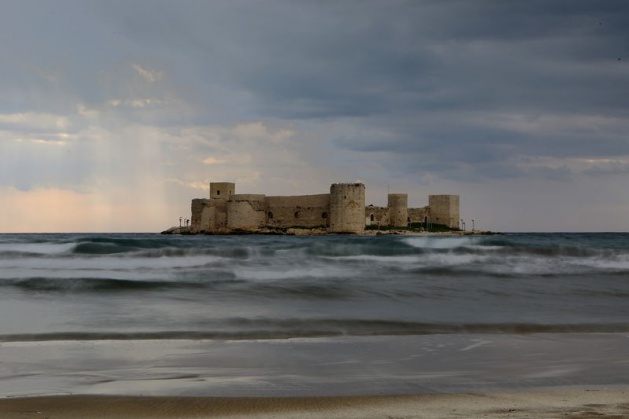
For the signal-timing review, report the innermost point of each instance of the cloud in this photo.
(148, 101)
(148, 75)
(32, 121)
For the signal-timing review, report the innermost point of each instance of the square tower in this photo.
(222, 190)
(444, 209)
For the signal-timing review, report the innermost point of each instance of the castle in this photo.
(342, 210)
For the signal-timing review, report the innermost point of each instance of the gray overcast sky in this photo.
(114, 114)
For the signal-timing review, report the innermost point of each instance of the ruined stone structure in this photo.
(441, 209)
(340, 211)
(396, 213)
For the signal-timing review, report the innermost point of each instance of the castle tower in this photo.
(444, 209)
(347, 208)
(214, 212)
(398, 209)
(222, 190)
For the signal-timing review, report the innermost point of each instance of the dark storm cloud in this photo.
(411, 70)
(335, 59)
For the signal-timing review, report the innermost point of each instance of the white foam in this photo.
(276, 274)
(452, 259)
(37, 248)
(104, 267)
(380, 259)
(439, 242)
(617, 263)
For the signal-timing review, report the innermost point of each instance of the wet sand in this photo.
(444, 376)
(572, 403)
(315, 367)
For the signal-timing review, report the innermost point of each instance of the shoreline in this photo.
(539, 403)
(315, 367)
(295, 231)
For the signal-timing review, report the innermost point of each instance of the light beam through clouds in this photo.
(116, 114)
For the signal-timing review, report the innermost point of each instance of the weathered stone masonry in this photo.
(341, 211)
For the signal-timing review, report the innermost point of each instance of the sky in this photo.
(115, 114)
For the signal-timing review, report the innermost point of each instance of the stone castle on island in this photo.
(343, 210)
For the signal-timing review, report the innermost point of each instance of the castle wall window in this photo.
(372, 217)
(218, 192)
(296, 214)
(324, 215)
(270, 215)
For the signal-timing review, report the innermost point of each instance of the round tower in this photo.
(347, 208)
(398, 209)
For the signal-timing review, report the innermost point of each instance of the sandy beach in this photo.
(573, 403)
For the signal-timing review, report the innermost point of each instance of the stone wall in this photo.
(208, 215)
(246, 211)
(376, 216)
(419, 215)
(196, 209)
(298, 211)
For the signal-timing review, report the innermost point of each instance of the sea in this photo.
(274, 315)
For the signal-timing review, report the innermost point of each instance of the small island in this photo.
(341, 211)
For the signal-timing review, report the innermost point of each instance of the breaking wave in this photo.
(142, 286)
(321, 328)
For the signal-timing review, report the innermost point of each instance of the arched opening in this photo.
(270, 215)
(324, 215)
(296, 214)
(372, 218)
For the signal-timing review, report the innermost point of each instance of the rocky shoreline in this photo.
(295, 231)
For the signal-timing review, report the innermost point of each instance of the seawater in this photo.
(135, 286)
(320, 315)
